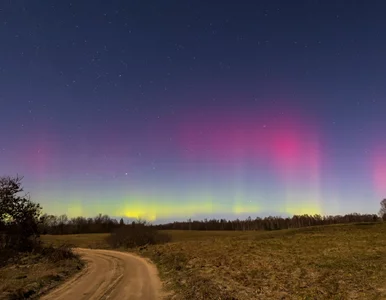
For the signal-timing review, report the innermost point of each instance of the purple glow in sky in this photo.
(184, 109)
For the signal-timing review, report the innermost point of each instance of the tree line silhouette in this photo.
(270, 223)
(50, 224)
(21, 219)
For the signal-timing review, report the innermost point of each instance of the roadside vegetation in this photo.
(27, 275)
(27, 267)
(138, 234)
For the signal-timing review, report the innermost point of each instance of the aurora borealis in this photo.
(171, 110)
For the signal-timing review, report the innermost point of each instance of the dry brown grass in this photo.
(28, 275)
(98, 240)
(92, 240)
(330, 262)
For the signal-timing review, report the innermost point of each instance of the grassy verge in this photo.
(28, 275)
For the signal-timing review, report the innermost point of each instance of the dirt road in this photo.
(110, 275)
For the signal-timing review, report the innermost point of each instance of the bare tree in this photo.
(382, 210)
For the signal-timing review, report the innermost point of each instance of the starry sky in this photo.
(167, 110)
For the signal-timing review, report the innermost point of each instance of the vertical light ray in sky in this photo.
(379, 170)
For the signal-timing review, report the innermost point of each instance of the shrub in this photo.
(136, 235)
(57, 254)
(7, 256)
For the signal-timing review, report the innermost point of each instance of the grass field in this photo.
(330, 262)
(93, 241)
(98, 240)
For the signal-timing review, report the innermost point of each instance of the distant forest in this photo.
(50, 224)
(22, 221)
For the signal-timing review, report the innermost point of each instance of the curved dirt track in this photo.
(110, 275)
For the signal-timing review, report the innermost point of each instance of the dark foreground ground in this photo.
(28, 275)
(330, 262)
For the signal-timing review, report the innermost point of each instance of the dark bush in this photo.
(136, 235)
(56, 254)
(20, 293)
(18, 216)
(8, 256)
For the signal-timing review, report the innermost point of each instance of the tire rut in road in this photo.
(119, 272)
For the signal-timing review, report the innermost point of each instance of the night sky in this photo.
(167, 110)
